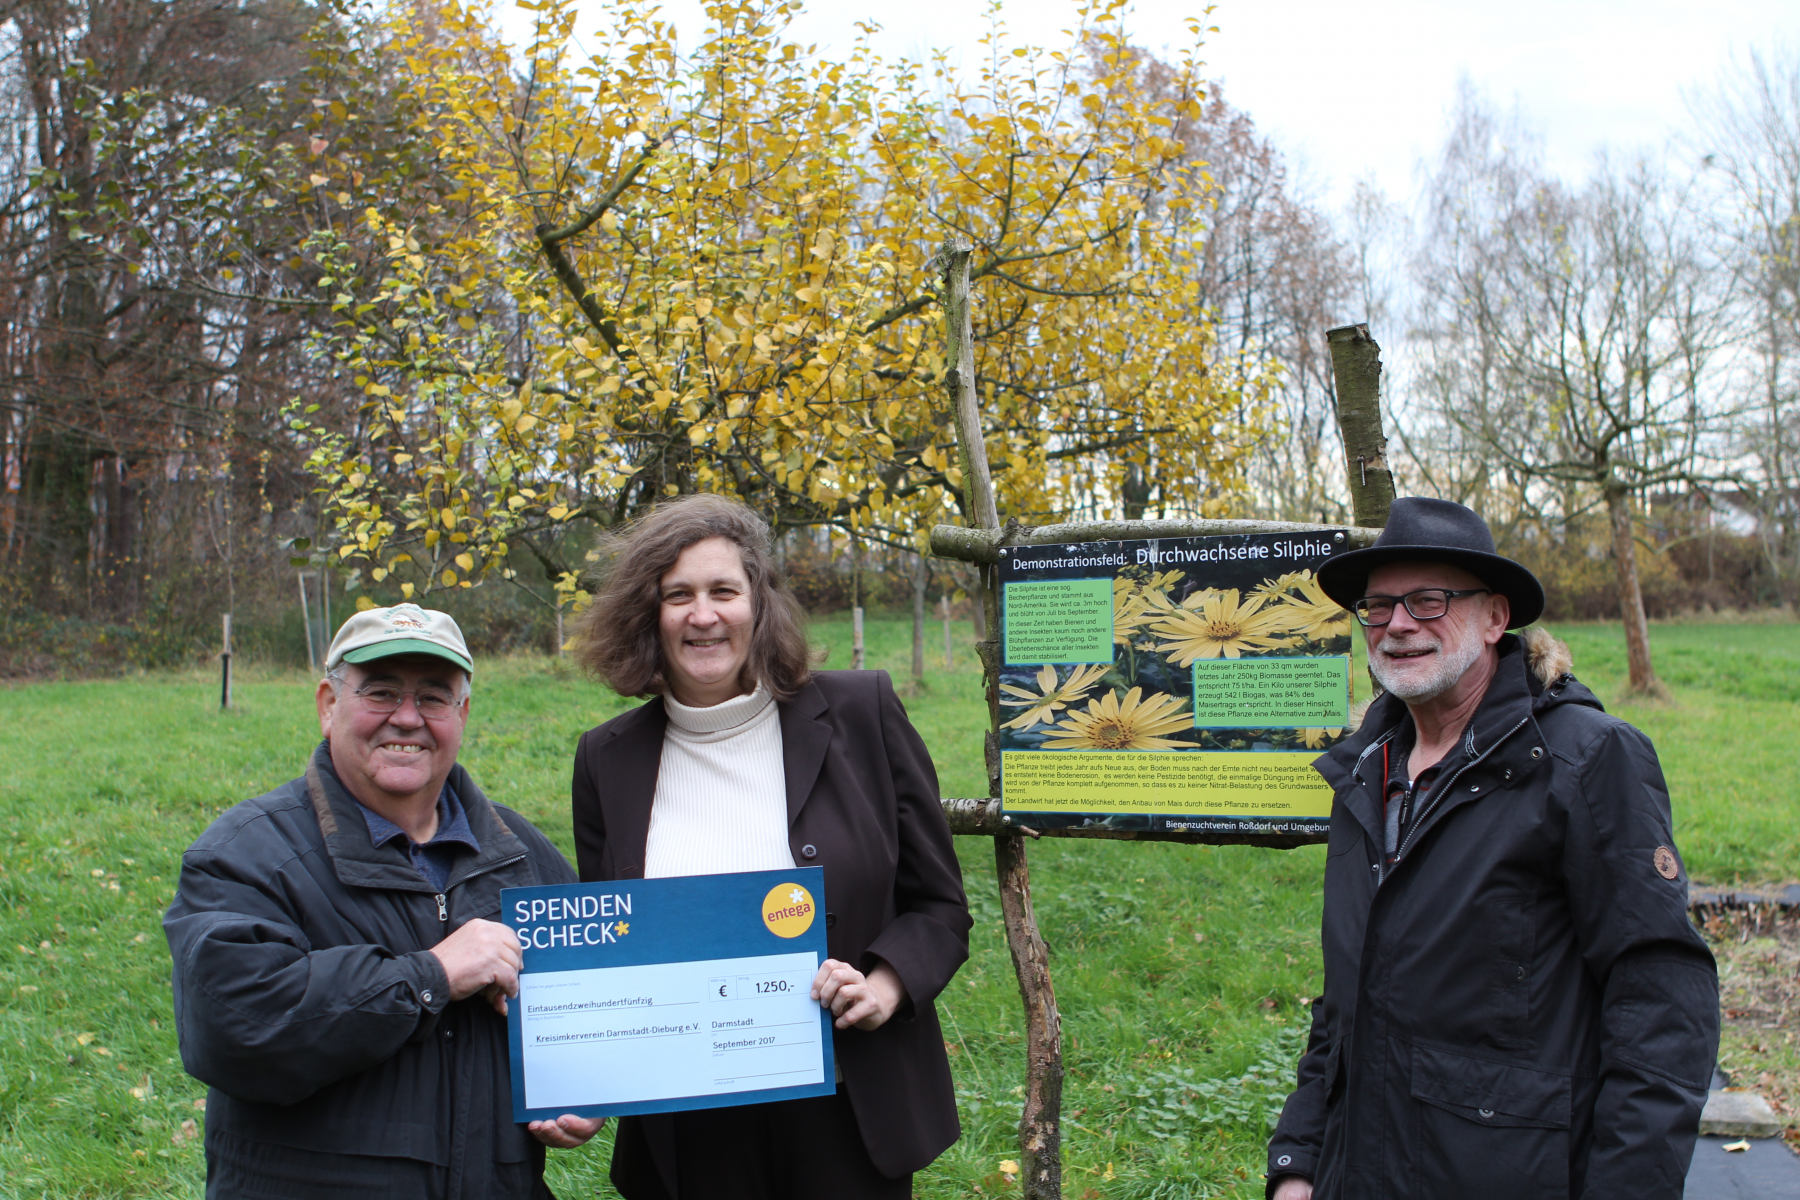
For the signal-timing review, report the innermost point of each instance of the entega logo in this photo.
(788, 910)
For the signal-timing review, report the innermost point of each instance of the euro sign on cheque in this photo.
(657, 995)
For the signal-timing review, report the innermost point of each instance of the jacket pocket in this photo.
(1487, 1130)
(1333, 1074)
(513, 1143)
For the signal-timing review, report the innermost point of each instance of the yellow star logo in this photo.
(623, 929)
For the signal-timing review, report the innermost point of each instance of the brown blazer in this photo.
(862, 799)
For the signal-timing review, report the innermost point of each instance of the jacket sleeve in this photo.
(1294, 1147)
(585, 812)
(929, 937)
(1659, 1020)
(264, 1017)
(546, 860)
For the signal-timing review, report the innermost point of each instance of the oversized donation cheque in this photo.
(656, 995)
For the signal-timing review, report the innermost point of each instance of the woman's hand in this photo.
(567, 1131)
(865, 1001)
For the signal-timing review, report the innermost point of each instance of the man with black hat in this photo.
(340, 970)
(1516, 1004)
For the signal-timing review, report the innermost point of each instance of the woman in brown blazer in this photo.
(744, 760)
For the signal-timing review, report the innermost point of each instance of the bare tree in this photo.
(1748, 136)
(1275, 275)
(1271, 276)
(1569, 340)
(117, 382)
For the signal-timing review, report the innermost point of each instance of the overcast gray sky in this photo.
(1363, 89)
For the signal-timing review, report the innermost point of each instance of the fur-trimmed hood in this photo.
(1547, 655)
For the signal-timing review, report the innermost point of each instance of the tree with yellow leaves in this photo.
(650, 274)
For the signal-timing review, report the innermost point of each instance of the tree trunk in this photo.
(918, 590)
(856, 606)
(1134, 491)
(1040, 1121)
(312, 655)
(54, 508)
(1040, 1141)
(959, 354)
(949, 643)
(1643, 680)
(1356, 366)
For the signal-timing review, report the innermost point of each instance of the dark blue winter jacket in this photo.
(1520, 1008)
(307, 997)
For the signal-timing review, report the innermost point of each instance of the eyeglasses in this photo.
(1426, 604)
(433, 703)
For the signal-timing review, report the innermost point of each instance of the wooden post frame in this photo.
(1040, 1140)
(312, 656)
(1356, 367)
(1040, 1121)
(225, 663)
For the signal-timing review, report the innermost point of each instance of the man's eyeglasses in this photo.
(432, 703)
(1426, 604)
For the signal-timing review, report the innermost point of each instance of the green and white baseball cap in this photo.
(403, 629)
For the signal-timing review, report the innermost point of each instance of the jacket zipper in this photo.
(1356, 774)
(1372, 747)
(443, 898)
(487, 870)
(1440, 792)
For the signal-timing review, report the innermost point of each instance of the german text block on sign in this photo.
(1059, 621)
(1271, 784)
(1272, 693)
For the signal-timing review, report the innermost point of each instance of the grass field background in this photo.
(1181, 970)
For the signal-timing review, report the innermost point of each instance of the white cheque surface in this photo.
(620, 1035)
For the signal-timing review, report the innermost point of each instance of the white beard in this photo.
(1415, 686)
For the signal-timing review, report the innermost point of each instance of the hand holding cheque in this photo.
(855, 999)
(485, 956)
(482, 956)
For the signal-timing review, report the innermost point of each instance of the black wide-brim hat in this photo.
(1424, 530)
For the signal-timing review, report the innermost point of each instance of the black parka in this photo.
(1521, 1008)
(307, 997)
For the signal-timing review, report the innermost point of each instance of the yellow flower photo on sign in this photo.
(1215, 624)
(1138, 601)
(1312, 613)
(1134, 723)
(1051, 697)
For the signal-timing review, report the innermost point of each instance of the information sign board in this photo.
(1173, 684)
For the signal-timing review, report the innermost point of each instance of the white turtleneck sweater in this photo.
(721, 792)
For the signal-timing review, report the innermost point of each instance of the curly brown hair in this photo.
(617, 636)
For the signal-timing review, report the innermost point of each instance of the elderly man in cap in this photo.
(1515, 1002)
(340, 972)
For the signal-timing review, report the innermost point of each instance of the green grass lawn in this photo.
(1727, 740)
(1180, 969)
